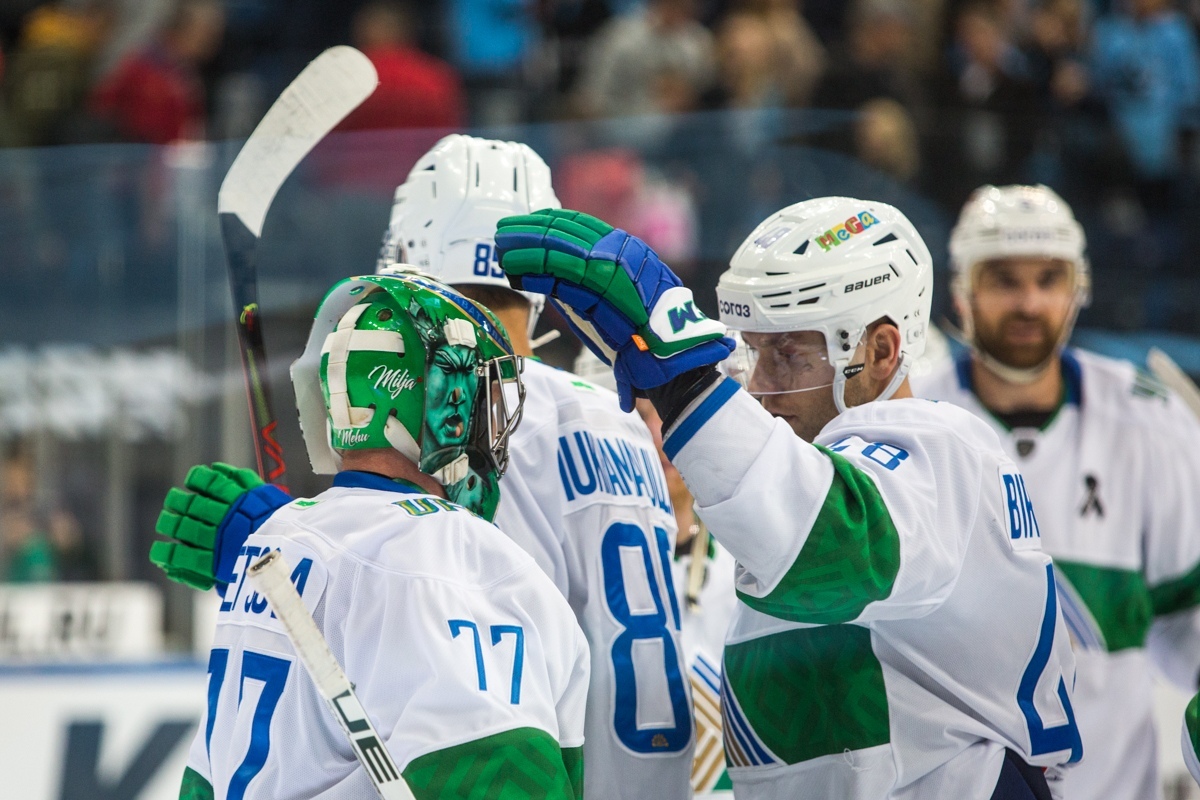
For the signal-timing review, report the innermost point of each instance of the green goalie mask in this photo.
(401, 361)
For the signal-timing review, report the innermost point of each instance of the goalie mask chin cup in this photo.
(833, 265)
(400, 361)
(444, 215)
(1002, 222)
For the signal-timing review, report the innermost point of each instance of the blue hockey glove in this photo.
(208, 521)
(621, 300)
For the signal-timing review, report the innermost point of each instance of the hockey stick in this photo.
(1163, 367)
(320, 97)
(270, 575)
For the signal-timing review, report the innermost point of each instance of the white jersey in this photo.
(461, 651)
(1114, 477)
(585, 494)
(898, 627)
(704, 629)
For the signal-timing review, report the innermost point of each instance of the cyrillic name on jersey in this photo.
(1022, 524)
(589, 464)
(240, 601)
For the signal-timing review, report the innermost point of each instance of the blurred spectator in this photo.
(491, 43)
(875, 59)
(1146, 68)
(796, 55)
(155, 94)
(28, 553)
(746, 73)
(1058, 37)
(988, 105)
(415, 90)
(624, 67)
(885, 137)
(50, 71)
(74, 558)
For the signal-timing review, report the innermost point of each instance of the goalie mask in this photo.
(1005, 222)
(400, 361)
(444, 215)
(831, 266)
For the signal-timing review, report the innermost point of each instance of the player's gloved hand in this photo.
(209, 520)
(619, 298)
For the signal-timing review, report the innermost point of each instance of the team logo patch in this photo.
(1020, 520)
(841, 233)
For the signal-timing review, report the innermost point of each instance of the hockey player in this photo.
(467, 658)
(584, 493)
(1111, 461)
(898, 634)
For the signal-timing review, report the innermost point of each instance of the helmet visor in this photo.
(781, 363)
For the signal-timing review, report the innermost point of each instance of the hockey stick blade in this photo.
(324, 93)
(1163, 367)
(321, 96)
(270, 575)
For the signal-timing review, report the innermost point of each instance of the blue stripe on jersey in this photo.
(707, 673)
(686, 429)
(741, 729)
(353, 479)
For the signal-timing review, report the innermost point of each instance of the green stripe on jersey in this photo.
(194, 786)
(1177, 595)
(811, 692)
(573, 760)
(850, 559)
(1117, 598)
(513, 765)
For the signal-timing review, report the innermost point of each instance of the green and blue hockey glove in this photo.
(208, 521)
(622, 301)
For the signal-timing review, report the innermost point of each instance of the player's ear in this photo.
(882, 351)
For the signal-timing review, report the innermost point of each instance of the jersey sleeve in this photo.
(475, 677)
(531, 506)
(1172, 542)
(827, 534)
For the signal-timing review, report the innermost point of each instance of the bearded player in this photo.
(1111, 460)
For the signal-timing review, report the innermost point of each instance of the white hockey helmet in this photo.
(833, 265)
(444, 215)
(1000, 222)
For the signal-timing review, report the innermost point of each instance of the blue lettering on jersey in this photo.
(253, 603)
(1022, 524)
(888, 456)
(589, 464)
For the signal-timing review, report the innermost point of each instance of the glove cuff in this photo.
(671, 398)
(244, 517)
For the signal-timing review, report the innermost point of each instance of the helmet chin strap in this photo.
(839, 383)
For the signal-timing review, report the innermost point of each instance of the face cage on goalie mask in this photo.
(506, 403)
